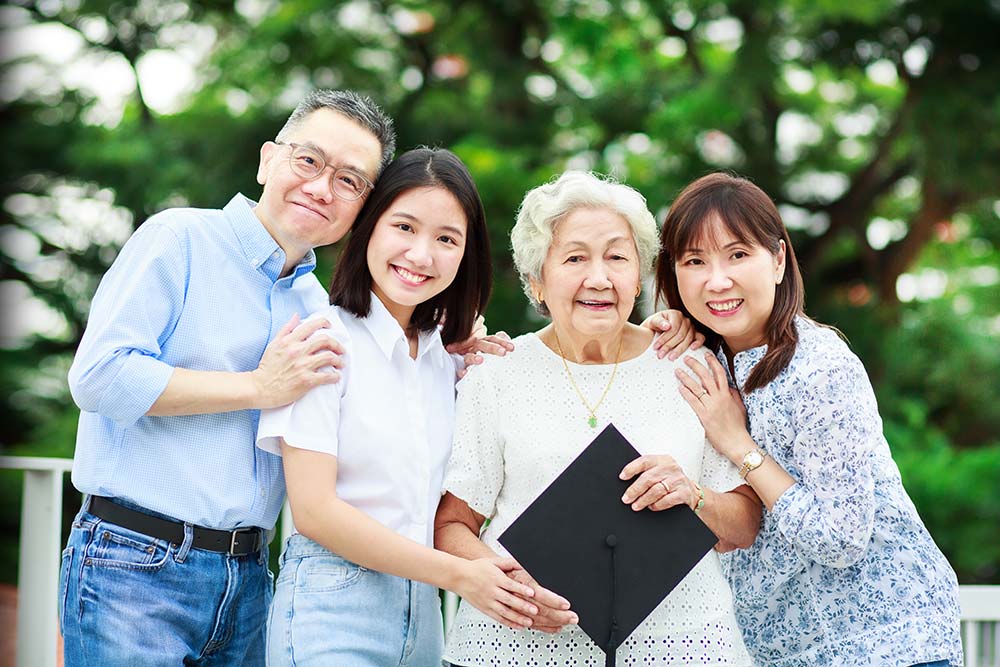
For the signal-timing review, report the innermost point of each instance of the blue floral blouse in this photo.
(843, 571)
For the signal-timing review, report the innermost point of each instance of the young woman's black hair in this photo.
(459, 304)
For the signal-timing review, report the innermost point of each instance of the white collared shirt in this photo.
(388, 421)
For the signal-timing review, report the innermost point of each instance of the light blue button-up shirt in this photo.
(843, 572)
(196, 289)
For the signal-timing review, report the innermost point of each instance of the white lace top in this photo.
(518, 425)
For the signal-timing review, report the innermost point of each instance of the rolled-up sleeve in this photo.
(117, 371)
(475, 470)
(828, 515)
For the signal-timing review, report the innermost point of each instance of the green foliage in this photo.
(872, 124)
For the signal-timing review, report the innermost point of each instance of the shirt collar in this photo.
(259, 247)
(387, 333)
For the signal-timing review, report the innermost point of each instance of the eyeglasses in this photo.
(348, 184)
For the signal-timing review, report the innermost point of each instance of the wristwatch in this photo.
(752, 461)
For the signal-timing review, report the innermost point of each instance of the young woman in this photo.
(843, 571)
(364, 458)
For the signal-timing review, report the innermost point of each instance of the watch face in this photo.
(753, 459)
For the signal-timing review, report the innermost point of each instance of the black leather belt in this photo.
(239, 542)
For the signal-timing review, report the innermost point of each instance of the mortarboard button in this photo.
(613, 564)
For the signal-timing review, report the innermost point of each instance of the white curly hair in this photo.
(545, 206)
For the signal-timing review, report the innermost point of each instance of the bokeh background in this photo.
(874, 124)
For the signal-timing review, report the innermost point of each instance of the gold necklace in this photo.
(592, 411)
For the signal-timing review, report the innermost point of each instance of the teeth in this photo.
(726, 306)
(412, 277)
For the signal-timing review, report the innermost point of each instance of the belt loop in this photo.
(262, 553)
(182, 553)
(86, 503)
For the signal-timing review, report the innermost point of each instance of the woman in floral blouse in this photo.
(843, 571)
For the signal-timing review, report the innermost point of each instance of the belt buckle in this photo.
(235, 534)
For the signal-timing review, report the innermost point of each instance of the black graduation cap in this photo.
(613, 564)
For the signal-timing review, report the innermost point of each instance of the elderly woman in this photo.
(582, 245)
(843, 572)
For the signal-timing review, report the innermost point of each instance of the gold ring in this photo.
(664, 485)
(702, 394)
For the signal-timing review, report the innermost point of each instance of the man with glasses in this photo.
(193, 330)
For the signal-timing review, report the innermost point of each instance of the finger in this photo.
(330, 377)
(718, 372)
(688, 382)
(509, 617)
(548, 629)
(501, 340)
(699, 340)
(502, 620)
(309, 327)
(544, 596)
(684, 339)
(556, 617)
(490, 345)
(517, 588)
(661, 346)
(636, 466)
(516, 603)
(322, 360)
(508, 564)
(324, 342)
(652, 494)
(641, 485)
(672, 499)
(472, 359)
(289, 326)
(693, 401)
(701, 370)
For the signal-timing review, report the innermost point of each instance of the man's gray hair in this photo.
(545, 206)
(359, 108)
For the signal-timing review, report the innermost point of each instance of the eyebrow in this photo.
(611, 242)
(725, 247)
(448, 228)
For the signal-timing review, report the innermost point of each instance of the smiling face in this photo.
(415, 249)
(590, 275)
(299, 214)
(729, 285)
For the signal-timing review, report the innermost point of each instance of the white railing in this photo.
(41, 544)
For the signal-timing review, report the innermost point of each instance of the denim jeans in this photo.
(330, 612)
(129, 599)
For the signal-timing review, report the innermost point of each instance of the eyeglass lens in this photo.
(347, 184)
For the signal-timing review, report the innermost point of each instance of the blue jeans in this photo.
(129, 599)
(330, 612)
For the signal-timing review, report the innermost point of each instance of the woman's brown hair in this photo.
(749, 215)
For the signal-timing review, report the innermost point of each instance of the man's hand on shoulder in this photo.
(295, 362)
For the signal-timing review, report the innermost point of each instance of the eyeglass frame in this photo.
(354, 172)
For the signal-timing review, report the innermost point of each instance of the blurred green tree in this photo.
(873, 126)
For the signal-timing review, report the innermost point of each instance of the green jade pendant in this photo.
(592, 420)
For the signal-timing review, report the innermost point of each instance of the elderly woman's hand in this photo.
(677, 334)
(719, 407)
(661, 485)
(553, 610)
